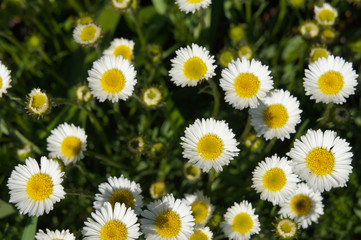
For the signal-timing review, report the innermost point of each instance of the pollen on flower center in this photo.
(168, 224)
(113, 81)
(199, 211)
(123, 51)
(242, 223)
(301, 204)
(194, 1)
(38, 101)
(246, 85)
(194, 68)
(88, 33)
(326, 15)
(70, 146)
(320, 161)
(210, 146)
(39, 187)
(286, 227)
(1, 82)
(274, 179)
(122, 196)
(114, 230)
(198, 235)
(275, 116)
(330, 82)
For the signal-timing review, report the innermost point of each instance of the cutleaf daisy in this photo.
(54, 235)
(201, 234)
(87, 34)
(37, 102)
(202, 208)
(121, 47)
(5, 79)
(325, 15)
(192, 6)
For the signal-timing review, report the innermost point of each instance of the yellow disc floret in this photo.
(246, 85)
(122, 196)
(168, 224)
(113, 81)
(210, 146)
(198, 235)
(326, 15)
(39, 187)
(71, 146)
(275, 116)
(124, 51)
(242, 223)
(88, 33)
(301, 204)
(330, 82)
(320, 161)
(274, 179)
(114, 230)
(199, 211)
(194, 68)
(38, 101)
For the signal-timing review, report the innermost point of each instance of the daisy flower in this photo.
(330, 79)
(274, 179)
(112, 223)
(121, 4)
(167, 219)
(201, 234)
(304, 206)
(34, 189)
(112, 78)
(151, 97)
(309, 29)
(67, 142)
(121, 47)
(5, 79)
(191, 66)
(277, 116)
(240, 222)
(322, 159)
(52, 235)
(317, 53)
(209, 143)
(37, 102)
(157, 190)
(325, 15)
(192, 6)
(87, 34)
(245, 83)
(286, 228)
(119, 190)
(191, 172)
(202, 208)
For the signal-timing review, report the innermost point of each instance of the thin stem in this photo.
(138, 29)
(326, 114)
(215, 97)
(103, 158)
(16, 99)
(248, 11)
(246, 129)
(211, 177)
(270, 146)
(72, 192)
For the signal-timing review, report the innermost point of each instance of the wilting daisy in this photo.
(322, 159)
(188, 6)
(240, 222)
(120, 190)
(34, 189)
(325, 15)
(286, 228)
(201, 234)
(245, 83)
(112, 223)
(191, 65)
(317, 53)
(37, 102)
(112, 78)
(87, 34)
(277, 116)
(304, 206)
(209, 143)
(158, 190)
(202, 208)
(152, 96)
(330, 79)
(121, 4)
(121, 47)
(274, 179)
(167, 219)
(53, 235)
(67, 142)
(5, 79)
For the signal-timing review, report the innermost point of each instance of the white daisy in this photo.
(286, 228)
(121, 47)
(120, 190)
(5, 79)
(202, 208)
(152, 96)
(34, 190)
(52, 235)
(209, 143)
(326, 14)
(201, 234)
(277, 116)
(67, 142)
(37, 102)
(167, 219)
(304, 206)
(322, 159)
(309, 29)
(112, 223)
(188, 6)
(121, 4)
(245, 83)
(191, 65)
(274, 179)
(240, 222)
(112, 78)
(330, 79)
(87, 34)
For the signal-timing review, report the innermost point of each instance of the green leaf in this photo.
(6, 209)
(160, 6)
(30, 229)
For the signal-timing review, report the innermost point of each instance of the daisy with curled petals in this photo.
(37, 102)
(322, 159)
(34, 189)
(121, 47)
(245, 83)
(52, 235)
(112, 78)
(87, 34)
(202, 208)
(330, 79)
(191, 66)
(5, 79)
(240, 222)
(201, 234)
(274, 179)
(325, 15)
(112, 223)
(192, 6)
(209, 143)
(276, 116)
(120, 190)
(167, 219)
(67, 142)
(304, 206)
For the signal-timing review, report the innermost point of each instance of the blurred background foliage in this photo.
(36, 44)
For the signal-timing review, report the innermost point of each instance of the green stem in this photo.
(270, 146)
(246, 129)
(104, 159)
(211, 177)
(138, 29)
(326, 114)
(16, 99)
(72, 192)
(215, 97)
(248, 11)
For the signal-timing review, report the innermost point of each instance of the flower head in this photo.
(325, 15)
(151, 96)
(52, 235)
(202, 208)
(5, 79)
(121, 47)
(309, 29)
(188, 6)
(201, 234)
(286, 228)
(87, 34)
(37, 102)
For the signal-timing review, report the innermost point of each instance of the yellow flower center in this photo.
(192, 170)
(168, 224)
(242, 223)
(199, 211)
(194, 1)
(210, 146)
(300, 204)
(113, 81)
(70, 146)
(114, 230)
(326, 15)
(274, 179)
(320, 161)
(124, 51)
(198, 235)
(286, 227)
(330, 82)
(39, 187)
(194, 68)
(246, 85)
(275, 116)
(318, 53)
(38, 101)
(122, 196)
(88, 33)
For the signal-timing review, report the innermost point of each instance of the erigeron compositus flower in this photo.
(192, 6)
(202, 208)
(121, 47)
(87, 34)
(37, 102)
(5, 79)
